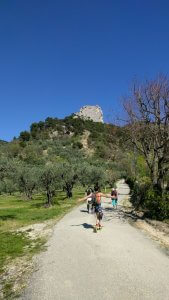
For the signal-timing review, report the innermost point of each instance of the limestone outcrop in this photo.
(91, 112)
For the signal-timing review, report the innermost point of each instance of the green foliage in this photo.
(27, 179)
(77, 145)
(50, 180)
(8, 186)
(141, 167)
(68, 176)
(12, 149)
(155, 203)
(50, 122)
(24, 136)
(92, 175)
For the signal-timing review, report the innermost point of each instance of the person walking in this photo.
(97, 196)
(89, 192)
(114, 197)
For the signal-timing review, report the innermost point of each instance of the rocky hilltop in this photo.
(92, 112)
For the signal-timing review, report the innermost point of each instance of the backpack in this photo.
(114, 193)
(88, 192)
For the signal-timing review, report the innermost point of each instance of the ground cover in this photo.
(17, 213)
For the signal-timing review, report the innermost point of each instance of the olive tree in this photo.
(50, 180)
(3, 168)
(90, 175)
(69, 176)
(27, 179)
(8, 186)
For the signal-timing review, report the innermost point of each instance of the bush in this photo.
(152, 201)
(77, 145)
(138, 194)
(157, 205)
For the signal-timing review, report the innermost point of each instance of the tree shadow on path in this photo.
(120, 213)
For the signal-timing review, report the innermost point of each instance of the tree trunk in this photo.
(96, 187)
(49, 198)
(160, 181)
(69, 190)
(69, 193)
(28, 195)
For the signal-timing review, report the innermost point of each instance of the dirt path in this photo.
(120, 262)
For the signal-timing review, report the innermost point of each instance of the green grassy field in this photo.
(16, 212)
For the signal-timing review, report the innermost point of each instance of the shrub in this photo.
(152, 201)
(157, 205)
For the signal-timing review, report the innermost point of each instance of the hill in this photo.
(81, 151)
(101, 140)
(64, 153)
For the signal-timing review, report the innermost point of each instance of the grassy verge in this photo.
(15, 212)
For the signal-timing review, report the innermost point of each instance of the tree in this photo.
(8, 186)
(83, 174)
(112, 177)
(50, 180)
(50, 122)
(24, 136)
(91, 175)
(27, 179)
(69, 176)
(148, 125)
(32, 154)
(3, 168)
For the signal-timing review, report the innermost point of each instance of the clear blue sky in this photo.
(56, 56)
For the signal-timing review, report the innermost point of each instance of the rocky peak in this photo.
(92, 112)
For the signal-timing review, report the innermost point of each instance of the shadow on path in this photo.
(83, 210)
(85, 225)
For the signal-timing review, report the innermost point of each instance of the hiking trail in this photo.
(119, 262)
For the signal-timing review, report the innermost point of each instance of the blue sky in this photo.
(56, 56)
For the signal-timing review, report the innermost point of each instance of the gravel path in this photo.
(119, 262)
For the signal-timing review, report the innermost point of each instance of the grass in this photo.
(16, 212)
(11, 246)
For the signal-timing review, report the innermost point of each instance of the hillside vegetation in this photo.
(61, 154)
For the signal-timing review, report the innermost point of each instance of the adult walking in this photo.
(114, 197)
(89, 192)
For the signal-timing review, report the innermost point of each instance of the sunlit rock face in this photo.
(91, 112)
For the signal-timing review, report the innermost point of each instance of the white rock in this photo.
(91, 112)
